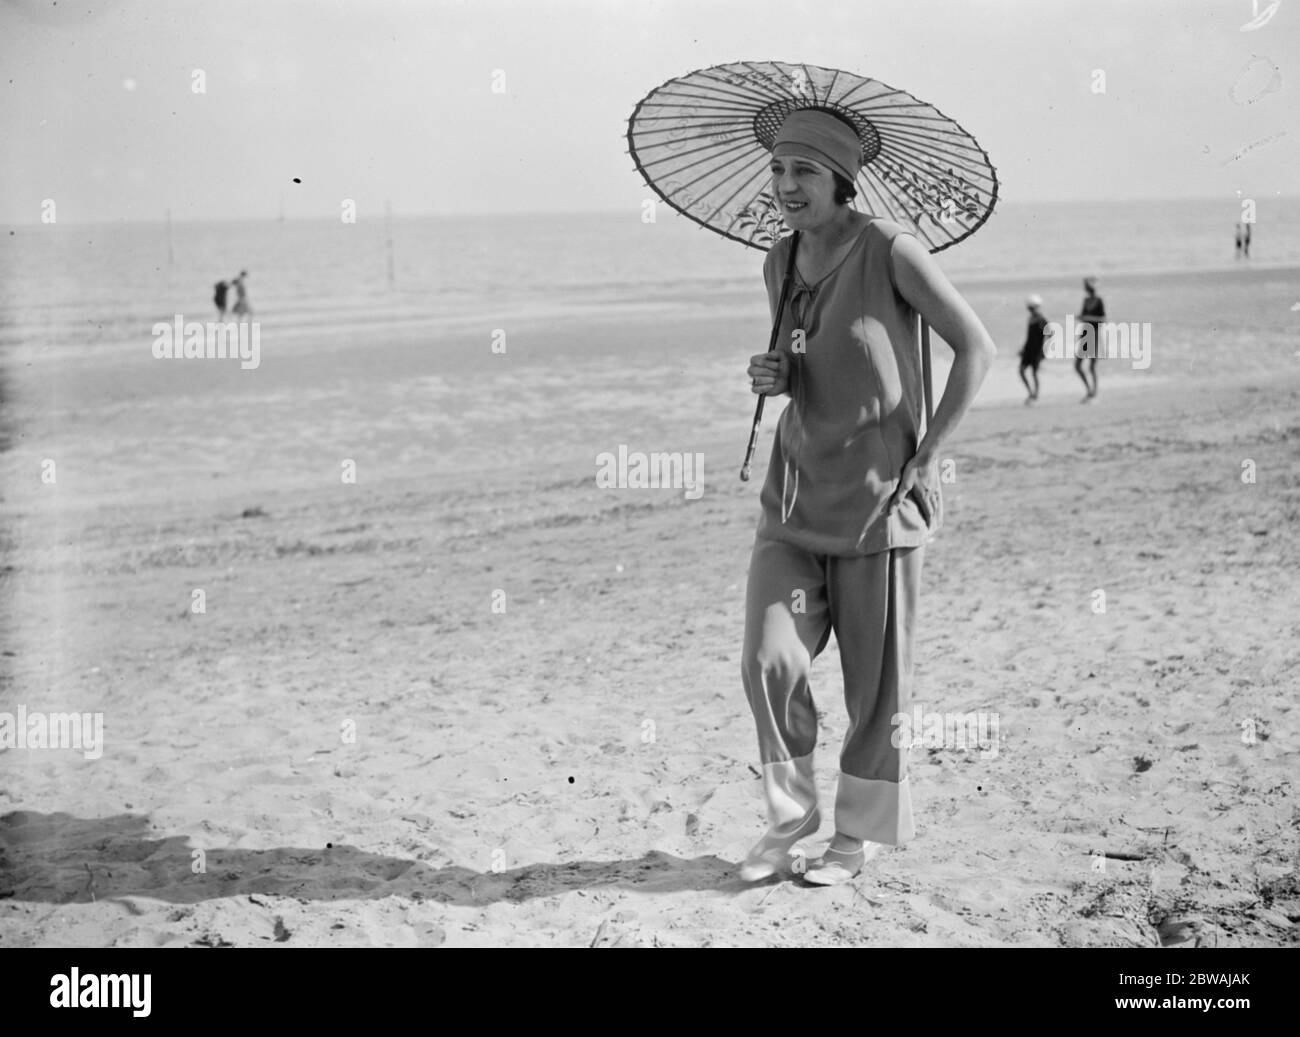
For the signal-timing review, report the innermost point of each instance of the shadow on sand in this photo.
(61, 859)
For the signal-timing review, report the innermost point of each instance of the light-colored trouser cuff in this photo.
(790, 791)
(878, 810)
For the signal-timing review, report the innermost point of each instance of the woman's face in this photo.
(805, 190)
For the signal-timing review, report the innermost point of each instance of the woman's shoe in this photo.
(772, 853)
(837, 866)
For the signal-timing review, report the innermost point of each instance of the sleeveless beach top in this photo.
(856, 406)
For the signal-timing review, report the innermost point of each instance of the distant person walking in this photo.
(241, 307)
(1091, 316)
(1245, 241)
(1031, 355)
(219, 298)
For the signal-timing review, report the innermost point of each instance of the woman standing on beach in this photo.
(241, 308)
(852, 494)
(1091, 315)
(1031, 353)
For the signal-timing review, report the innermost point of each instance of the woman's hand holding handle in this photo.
(769, 373)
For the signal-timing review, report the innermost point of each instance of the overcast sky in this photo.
(375, 99)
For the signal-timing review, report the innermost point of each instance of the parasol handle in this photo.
(771, 348)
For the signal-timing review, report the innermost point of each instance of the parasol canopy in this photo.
(703, 144)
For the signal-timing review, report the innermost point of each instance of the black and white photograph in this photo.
(593, 474)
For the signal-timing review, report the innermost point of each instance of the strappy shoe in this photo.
(772, 853)
(837, 866)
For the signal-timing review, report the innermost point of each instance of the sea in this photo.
(69, 288)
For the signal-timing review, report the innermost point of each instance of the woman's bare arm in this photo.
(927, 288)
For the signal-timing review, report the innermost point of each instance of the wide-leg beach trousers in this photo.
(793, 601)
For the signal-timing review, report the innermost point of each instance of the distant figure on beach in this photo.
(241, 307)
(1031, 355)
(219, 298)
(1245, 240)
(1239, 240)
(1091, 315)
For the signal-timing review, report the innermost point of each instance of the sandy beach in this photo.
(473, 699)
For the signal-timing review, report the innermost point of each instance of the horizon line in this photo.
(501, 214)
